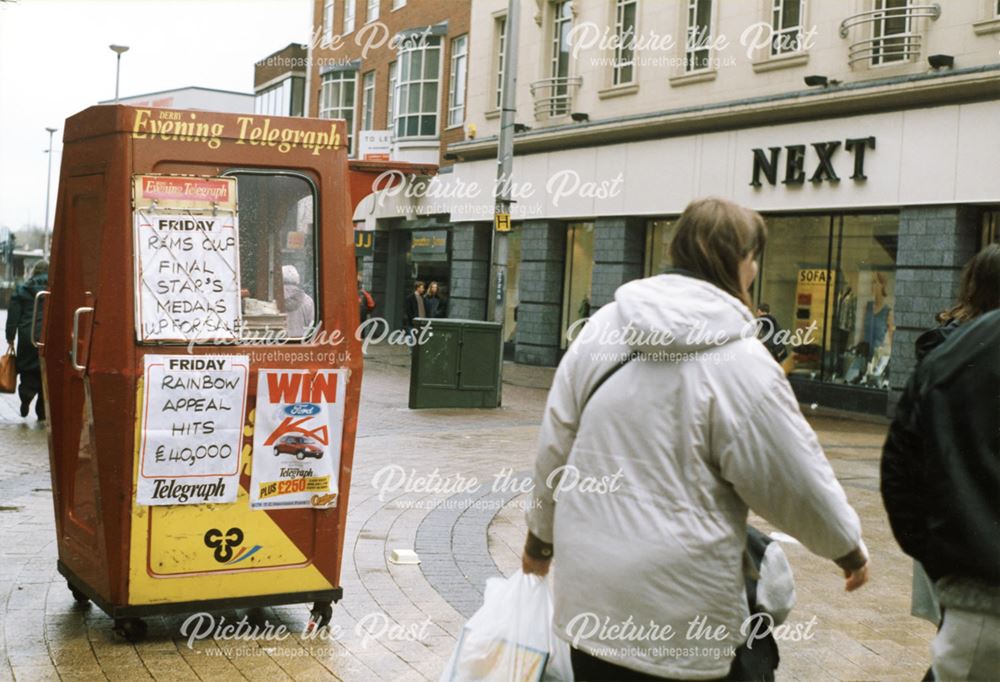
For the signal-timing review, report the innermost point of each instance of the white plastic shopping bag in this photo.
(510, 638)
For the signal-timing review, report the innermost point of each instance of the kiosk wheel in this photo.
(78, 596)
(132, 629)
(320, 616)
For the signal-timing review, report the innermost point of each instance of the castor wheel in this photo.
(320, 616)
(132, 629)
(79, 596)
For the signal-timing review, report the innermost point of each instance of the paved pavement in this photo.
(463, 538)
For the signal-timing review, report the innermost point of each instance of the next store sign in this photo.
(768, 163)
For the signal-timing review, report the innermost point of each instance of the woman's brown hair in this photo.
(713, 237)
(980, 289)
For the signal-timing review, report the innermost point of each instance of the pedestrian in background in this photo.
(696, 423)
(941, 477)
(366, 303)
(767, 332)
(414, 306)
(433, 302)
(300, 310)
(19, 325)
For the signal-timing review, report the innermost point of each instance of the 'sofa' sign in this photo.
(768, 163)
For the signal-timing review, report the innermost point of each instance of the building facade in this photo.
(396, 70)
(865, 131)
(279, 82)
(192, 97)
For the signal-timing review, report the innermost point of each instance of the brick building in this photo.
(396, 68)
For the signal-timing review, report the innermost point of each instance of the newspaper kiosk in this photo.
(200, 361)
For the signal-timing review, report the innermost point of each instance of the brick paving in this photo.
(464, 538)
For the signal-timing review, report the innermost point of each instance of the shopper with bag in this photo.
(19, 327)
(665, 423)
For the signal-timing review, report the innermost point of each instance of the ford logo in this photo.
(302, 410)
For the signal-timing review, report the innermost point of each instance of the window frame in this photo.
(323, 109)
(692, 54)
(500, 41)
(398, 4)
(881, 38)
(406, 53)
(618, 63)
(778, 10)
(559, 107)
(368, 100)
(457, 60)
(373, 10)
(350, 16)
(393, 79)
(329, 13)
(316, 240)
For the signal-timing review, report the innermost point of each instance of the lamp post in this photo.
(118, 49)
(48, 189)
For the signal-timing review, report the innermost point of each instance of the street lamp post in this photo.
(48, 190)
(505, 164)
(118, 49)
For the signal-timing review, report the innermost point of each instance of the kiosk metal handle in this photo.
(76, 330)
(34, 316)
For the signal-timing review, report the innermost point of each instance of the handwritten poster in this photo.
(296, 440)
(186, 233)
(192, 428)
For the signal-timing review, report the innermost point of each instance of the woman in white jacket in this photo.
(642, 487)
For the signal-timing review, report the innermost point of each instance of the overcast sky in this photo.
(55, 61)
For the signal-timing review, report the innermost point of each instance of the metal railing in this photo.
(554, 96)
(887, 47)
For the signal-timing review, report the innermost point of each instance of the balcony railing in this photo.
(883, 46)
(554, 96)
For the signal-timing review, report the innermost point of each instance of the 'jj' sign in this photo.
(768, 163)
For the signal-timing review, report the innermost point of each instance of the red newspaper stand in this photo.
(200, 361)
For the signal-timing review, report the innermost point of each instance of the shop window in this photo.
(830, 284)
(277, 253)
(659, 235)
(417, 96)
(513, 279)
(787, 26)
(990, 232)
(623, 68)
(578, 276)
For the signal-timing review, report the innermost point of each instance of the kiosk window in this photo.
(277, 254)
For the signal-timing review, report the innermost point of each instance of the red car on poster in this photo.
(300, 446)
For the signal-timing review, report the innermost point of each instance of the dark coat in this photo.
(19, 322)
(412, 310)
(940, 470)
(434, 306)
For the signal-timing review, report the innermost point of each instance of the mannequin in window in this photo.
(878, 326)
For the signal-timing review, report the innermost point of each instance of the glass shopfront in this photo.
(659, 234)
(829, 281)
(578, 275)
